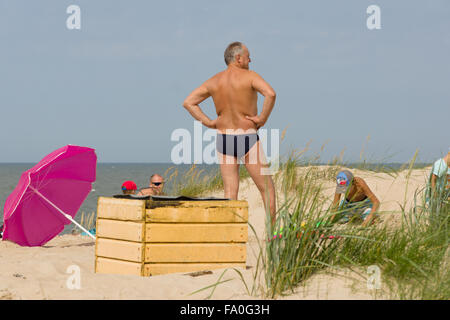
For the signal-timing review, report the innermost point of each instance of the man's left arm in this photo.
(191, 103)
(261, 86)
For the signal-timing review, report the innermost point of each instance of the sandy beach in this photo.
(42, 272)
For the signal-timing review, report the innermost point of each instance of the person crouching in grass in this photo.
(359, 202)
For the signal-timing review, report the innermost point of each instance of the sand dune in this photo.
(42, 272)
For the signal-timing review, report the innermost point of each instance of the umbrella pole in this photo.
(62, 212)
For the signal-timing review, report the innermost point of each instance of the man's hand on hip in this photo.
(257, 120)
(211, 124)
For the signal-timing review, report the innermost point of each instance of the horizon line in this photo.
(313, 163)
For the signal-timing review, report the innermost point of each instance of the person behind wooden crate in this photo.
(155, 187)
(129, 187)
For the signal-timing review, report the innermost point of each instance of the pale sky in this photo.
(118, 83)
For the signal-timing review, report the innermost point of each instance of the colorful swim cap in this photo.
(129, 185)
(343, 180)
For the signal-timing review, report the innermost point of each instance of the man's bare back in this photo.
(234, 98)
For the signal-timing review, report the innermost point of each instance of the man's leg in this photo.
(255, 162)
(229, 169)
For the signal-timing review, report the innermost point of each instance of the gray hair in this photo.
(232, 50)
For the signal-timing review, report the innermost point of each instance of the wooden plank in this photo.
(112, 266)
(195, 252)
(151, 204)
(121, 209)
(196, 232)
(120, 230)
(118, 249)
(153, 269)
(197, 215)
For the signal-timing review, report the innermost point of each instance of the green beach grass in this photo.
(412, 257)
(196, 182)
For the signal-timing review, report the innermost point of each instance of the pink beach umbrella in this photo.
(49, 195)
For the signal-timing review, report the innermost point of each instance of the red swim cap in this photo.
(129, 185)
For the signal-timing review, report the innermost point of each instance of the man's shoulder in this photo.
(242, 74)
(253, 74)
(240, 70)
(217, 75)
(214, 78)
(248, 76)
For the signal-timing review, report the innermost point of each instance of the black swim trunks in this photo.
(236, 145)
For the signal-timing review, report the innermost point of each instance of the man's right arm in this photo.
(261, 86)
(191, 103)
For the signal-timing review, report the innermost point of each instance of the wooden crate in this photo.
(145, 237)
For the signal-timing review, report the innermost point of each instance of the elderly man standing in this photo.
(234, 92)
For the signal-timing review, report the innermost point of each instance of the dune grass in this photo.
(413, 257)
(196, 182)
